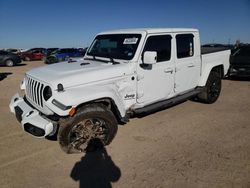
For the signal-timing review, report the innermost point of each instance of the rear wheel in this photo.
(93, 123)
(27, 59)
(9, 63)
(51, 59)
(212, 89)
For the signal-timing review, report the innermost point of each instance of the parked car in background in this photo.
(33, 54)
(240, 62)
(63, 54)
(213, 45)
(14, 50)
(9, 59)
(24, 50)
(83, 50)
(50, 50)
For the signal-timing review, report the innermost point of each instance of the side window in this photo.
(62, 51)
(3, 53)
(161, 44)
(70, 50)
(185, 45)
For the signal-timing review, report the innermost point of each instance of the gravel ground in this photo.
(188, 145)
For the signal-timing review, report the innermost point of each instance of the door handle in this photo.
(191, 65)
(169, 70)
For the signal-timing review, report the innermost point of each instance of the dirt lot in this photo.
(188, 145)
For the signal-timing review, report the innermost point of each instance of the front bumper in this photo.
(30, 119)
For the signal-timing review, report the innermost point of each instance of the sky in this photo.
(74, 23)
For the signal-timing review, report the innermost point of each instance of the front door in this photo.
(156, 82)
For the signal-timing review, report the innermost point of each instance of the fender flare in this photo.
(206, 72)
(77, 97)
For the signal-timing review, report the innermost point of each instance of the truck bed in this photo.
(207, 50)
(213, 57)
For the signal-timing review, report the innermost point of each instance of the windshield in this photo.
(116, 46)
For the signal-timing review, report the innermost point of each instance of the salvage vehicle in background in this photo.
(50, 50)
(62, 54)
(33, 54)
(123, 73)
(240, 62)
(14, 50)
(9, 59)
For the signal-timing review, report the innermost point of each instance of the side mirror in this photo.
(149, 57)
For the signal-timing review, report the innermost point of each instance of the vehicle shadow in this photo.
(238, 78)
(17, 65)
(96, 169)
(20, 65)
(4, 75)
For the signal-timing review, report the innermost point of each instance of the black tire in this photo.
(27, 59)
(76, 133)
(51, 59)
(212, 89)
(9, 63)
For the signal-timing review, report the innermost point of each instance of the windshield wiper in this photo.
(94, 58)
(112, 61)
(101, 60)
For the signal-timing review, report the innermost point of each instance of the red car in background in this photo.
(33, 54)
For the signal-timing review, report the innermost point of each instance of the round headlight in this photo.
(47, 93)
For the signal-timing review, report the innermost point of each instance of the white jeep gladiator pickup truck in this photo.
(124, 72)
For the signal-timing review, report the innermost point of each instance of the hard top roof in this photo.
(150, 30)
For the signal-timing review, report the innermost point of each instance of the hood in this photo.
(78, 72)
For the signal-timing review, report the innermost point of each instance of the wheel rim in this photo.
(9, 63)
(214, 90)
(83, 132)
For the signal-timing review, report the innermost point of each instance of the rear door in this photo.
(156, 82)
(188, 63)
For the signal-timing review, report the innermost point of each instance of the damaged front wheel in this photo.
(92, 123)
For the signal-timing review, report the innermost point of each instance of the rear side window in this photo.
(70, 51)
(185, 45)
(3, 53)
(63, 51)
(161, 44)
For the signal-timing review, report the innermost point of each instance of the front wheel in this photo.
(93, 122)
(212, 89)
(9, 63)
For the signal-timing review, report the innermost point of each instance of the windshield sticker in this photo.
(130, 40)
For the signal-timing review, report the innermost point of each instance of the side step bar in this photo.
(169, 102)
